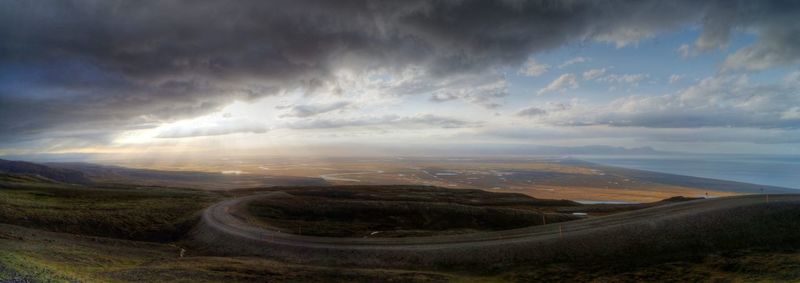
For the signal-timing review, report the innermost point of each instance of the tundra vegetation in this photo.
(105, 232)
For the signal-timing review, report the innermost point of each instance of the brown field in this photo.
(650, 194)
(541, 178)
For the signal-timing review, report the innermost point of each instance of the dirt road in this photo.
(231, 235)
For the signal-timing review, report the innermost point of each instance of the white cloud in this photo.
(219, 127)
(721, 101)
(637, 135)
(674, 78)
(684, 50)
(562, 83)
(625, 36)
(632, 79)
(533, 68)
(593, 74)
(791, 114)
(485, 93)
(573, 61)
(485, 89)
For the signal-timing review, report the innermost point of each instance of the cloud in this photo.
(674, 78)
(484, 90)
(684, 50)
(783, 49)
(573, 61)
(308, 110)
(533, 68)
(631, 79)
(791, 114)
(719, 101)
(600, 75)
(562, 83)
(545, 109)
(444, 96)
(417, 121)
(114, 65)
(714, 135)
(792, 77)
(217, 128)
(774, 22)
(594, 74)
(531, 112)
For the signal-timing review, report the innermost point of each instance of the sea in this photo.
(781, 171)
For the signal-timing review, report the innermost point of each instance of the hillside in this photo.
(63, 175)
(189, 179)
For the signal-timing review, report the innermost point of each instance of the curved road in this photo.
(219, 218)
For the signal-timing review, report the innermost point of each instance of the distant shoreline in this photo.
(761, 171)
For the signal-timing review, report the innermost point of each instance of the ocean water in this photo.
(763, 170)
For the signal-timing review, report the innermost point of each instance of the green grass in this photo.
(125, 234)
(22, 178)
(152, 214)
(398, 211)
(57, 257)
(749, 265)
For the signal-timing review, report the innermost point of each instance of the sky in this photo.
(278, 77)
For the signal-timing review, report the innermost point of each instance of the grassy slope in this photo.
(400, 211)
(134, 213)
(104, 233)
(751, 265)
(153, 214)
(58, 257)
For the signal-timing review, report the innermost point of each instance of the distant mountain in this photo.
(117, 173)
(62, 175)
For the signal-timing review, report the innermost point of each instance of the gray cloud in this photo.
(418, 121)
(531, 112)
(308, 110)
(720, 101)
(484, 89)
(115, 65)
(647, 135)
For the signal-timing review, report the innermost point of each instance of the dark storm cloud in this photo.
(114, 65)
